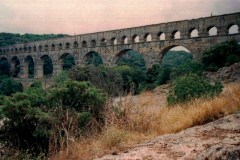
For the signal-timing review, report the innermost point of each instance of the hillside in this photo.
(216, 140)
(11, 38)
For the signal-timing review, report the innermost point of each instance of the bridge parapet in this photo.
(152, 41)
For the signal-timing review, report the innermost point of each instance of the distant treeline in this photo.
(11, 38)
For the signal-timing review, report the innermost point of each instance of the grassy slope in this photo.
(122, 132)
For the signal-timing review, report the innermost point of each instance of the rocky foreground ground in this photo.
(219, 140)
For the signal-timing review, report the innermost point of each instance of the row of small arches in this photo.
(212, 31)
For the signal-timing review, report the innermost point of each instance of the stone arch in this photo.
(148, 37)
(212, 30)
(162, 36)
(53, 47)
(93, 43)
(193, 32)
(75, 44)
(168, 48)
(135, 39)
(47, 65)
(4, 66)
(176, 34)
(25, 49)
(130, 57)
(124, 40)
(67, 45)
(15, 66)
(103, 42)
(46, 47)
(60, 46)
(40, 48)
(29, 49)
(12, 50)
(233, 29)
(67, 61)
(114, 41)
(20, 49)
(29, 67)
(84, 43)
(120, 54)
(93, 58)
(34, 48)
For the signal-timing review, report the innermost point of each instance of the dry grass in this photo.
(132, 122)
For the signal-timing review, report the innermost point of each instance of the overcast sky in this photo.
(86, 16)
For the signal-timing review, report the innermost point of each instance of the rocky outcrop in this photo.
(226, 74)
(216, 140)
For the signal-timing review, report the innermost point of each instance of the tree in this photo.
(221, 55)
(47, 66)
(68, 62)
(8, 86)
(132, 59)
(4, 67)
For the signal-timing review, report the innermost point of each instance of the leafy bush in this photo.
(93, 58)
(175, 58)
(192, 86)
(47, 66)
(186, 68)
(113, 80)
(157, 75)
(68, 62)
(81, 96)
(132, 59)
(27, 126)
(105, 78)
(43, 120)
(4, 67)
(221, 55)
(9, 86)
(133, 79)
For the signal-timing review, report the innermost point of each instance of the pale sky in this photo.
(87, 16)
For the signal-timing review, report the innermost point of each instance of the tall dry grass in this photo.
(132, 122)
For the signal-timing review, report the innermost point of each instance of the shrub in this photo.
(113, 80)
(192, 86)
(221, 55)
(132, 59)
(175, 58)
(157, 75)
(186, 68)
(4, 67)
(27, 126)
(105, 78)
(81, 96)
(68, 62)
(8, 86)
(44, 120)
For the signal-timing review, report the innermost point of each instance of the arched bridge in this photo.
(152, 41)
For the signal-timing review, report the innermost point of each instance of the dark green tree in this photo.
(132, 59)
(4, 67)
(220, 55)
(47, 66)
(68, 62)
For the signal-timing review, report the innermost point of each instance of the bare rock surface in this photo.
(219, 140)
(226, 74)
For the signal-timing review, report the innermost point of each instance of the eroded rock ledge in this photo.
(216, 140)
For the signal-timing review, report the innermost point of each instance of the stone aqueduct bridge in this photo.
(152, 41)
